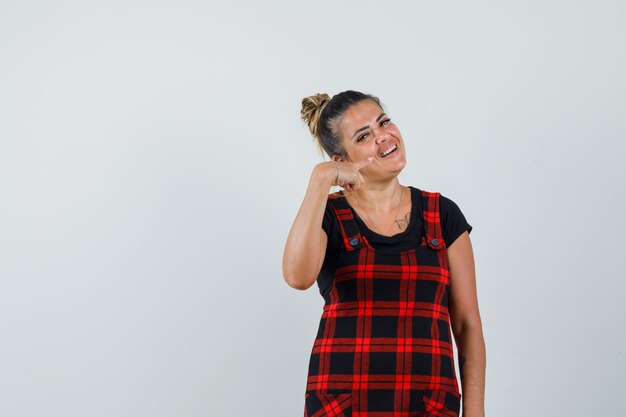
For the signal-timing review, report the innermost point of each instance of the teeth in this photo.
(388, 151)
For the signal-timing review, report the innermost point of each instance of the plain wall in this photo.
(152, 160)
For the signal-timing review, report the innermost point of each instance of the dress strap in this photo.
(352, 238)
(432, 220)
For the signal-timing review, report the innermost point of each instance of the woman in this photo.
(395, 267)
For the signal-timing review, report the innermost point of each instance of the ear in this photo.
(337, 158)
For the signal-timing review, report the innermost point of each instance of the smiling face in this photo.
(366, 131)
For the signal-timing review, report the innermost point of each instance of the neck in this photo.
(379, 196)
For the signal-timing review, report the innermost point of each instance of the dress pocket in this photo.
(442, 403)
(327, 405)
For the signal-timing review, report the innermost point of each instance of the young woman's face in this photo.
(367, 131)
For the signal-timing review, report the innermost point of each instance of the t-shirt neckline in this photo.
(398, 236)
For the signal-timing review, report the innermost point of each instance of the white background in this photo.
(152, 160)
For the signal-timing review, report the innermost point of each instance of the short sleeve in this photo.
(332, 229)
(453, 221)
(330, 226)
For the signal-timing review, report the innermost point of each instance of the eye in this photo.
(362, 137)
(385, 122)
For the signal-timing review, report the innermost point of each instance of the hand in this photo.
(349, 176)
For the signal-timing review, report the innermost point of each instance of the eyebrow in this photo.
(368, 126)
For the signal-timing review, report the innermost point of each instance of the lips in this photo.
(389, 150)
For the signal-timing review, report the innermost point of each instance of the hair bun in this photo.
(312, 107)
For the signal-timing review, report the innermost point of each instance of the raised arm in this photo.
(306, 244)
(467, 326)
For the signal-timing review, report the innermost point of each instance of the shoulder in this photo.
(447, 205)
(334, 202)
(429, 201)
(427, 195)
(330, 222)
(453, 220)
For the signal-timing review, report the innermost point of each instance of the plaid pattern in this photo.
(384, 346)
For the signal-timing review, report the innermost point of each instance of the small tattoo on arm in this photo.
(403, 222)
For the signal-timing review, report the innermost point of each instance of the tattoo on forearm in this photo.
(403, 222)
(461, 365)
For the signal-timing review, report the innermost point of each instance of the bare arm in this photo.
(306, 242)
(467, 326)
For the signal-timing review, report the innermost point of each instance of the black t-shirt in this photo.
(453, 224)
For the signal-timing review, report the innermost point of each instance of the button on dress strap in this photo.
(432, 220)
(352, 238)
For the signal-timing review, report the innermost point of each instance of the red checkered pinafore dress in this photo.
(384, 346)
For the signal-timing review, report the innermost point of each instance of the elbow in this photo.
(466, 322)
(296, 275)
(465, 328)
(298, 285)
(295, 281)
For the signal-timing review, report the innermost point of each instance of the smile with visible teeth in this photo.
(388, 151)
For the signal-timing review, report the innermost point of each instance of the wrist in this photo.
(325, 174)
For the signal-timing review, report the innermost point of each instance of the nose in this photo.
(382, 136)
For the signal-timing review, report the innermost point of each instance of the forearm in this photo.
(303, 250)
(472, 364)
